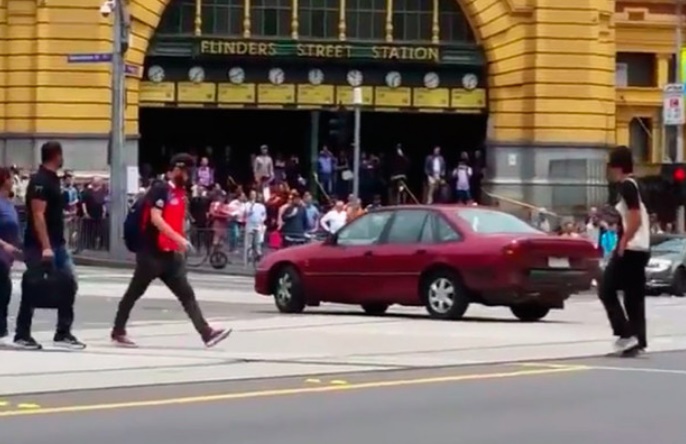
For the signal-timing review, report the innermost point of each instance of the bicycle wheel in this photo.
(218, 260)
(196, 258)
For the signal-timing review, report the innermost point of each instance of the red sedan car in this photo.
(440, 257)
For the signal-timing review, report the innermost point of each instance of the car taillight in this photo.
(512, 249)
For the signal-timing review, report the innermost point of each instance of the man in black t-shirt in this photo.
(44, 242)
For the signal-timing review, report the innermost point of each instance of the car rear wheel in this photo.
(444, 296)
(289, 295)
(530, 312)
(679, 282)
(375, 309)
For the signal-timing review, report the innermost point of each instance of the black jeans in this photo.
(626, 273)
(170, 268)
(5, 296)
(65, 314)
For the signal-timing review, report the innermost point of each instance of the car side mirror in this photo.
(330, 240)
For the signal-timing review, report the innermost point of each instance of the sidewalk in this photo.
(274, 345)
(102, 259)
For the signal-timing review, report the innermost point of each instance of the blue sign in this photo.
(131, 70)
(89, 58)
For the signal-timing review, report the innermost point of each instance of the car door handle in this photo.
(368, 253)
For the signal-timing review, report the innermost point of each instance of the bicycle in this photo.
(213, 254)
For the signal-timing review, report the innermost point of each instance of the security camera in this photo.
(106, 8)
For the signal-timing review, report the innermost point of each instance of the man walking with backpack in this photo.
(154, 230)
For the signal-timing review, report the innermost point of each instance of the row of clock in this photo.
(315, 76)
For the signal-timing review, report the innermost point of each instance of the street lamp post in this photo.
(357, 103)
(117, 184)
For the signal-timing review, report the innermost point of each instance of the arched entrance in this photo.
(225, 76)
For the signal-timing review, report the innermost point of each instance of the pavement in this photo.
(596, 400)
(331, 339)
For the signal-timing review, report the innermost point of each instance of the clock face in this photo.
(236, 75)
(393, 79)
(156, 73)
(315, 76)
(355, 77)
(470, 81)
(276, 76)
(431, 80)
(196, 74)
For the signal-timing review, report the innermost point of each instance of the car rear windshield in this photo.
(494, 222)
(668, 245)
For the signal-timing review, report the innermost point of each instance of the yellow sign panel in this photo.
(316, 94)
(276, 94)
(157, 92)
(344, 95)
(231, 93)
(431, 98)
(462, 98)
(190, 92)
(393, 97)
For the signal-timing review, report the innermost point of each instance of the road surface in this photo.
(602, 400)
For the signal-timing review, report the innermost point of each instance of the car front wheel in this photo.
(530, 312)
(444, 295)
(289, 295)
(679, 283)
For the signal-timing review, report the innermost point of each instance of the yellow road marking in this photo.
(313, 381)
(290, 392)
(28, 405)
(550, 365)
(4, 403)
(339, 382)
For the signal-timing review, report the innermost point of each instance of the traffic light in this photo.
(339, 129)
(674, 175)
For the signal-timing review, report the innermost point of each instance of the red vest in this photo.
(174, 214)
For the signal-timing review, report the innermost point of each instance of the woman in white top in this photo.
(626, 269)
(335, 218)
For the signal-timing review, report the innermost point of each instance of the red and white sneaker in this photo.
(122, 340)
(215, 336)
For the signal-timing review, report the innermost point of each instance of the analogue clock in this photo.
(276, 76)
(196, 74)
(431, 80)
(470, 81)
(236, 75)
(156, 73)
(315, 76)
(393, 79)
(355, 77)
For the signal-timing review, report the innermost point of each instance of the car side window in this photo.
(407, 227)
(427, 236)
(444, 232)
(365, 230)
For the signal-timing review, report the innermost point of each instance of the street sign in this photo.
(89, 58)
(673, 112)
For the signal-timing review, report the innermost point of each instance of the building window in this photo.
(178, 18)
(222, 17)
(640, 138)
(412, 20)
(271, 18)
(318, 18)
(453, 24)
(366, 19)
(640, 68)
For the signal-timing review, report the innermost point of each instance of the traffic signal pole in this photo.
(681, 214)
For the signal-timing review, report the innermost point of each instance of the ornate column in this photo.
(294, 19)
(342, 30)
(389, 20)
(246, 19)
(435, 24)
(198, 18)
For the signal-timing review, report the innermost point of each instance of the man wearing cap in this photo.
(162, 254)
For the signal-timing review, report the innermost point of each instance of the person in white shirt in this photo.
(626, 268)
(236, 210)
(335, 218)
(255, 217)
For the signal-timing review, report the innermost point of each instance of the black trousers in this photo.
(5, 296)
(170, 268)
(626, 273)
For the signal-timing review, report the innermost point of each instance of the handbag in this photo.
(48, 287)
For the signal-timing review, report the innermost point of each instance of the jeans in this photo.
(626, 273)
(326, 180)
(233, 234)
(170, 268)
(65, 314)
(5, 296)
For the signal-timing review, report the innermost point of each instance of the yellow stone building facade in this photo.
(553, 107)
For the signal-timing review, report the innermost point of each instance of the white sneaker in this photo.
(624, 344)
(5, 341)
